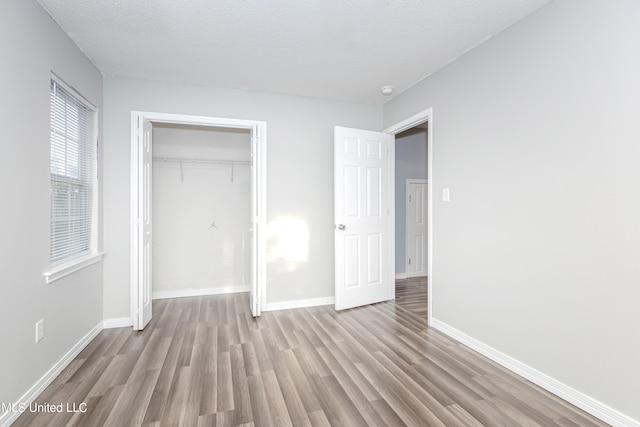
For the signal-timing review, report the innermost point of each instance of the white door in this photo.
(362, 218)
(416, 236)
(145, 235)
(254, 300)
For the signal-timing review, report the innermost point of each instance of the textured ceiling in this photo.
(335, 49)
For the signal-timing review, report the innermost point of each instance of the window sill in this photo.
(62, 270)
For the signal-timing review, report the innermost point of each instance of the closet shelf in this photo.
(229, 162)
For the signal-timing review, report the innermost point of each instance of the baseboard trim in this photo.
(120, 322)
(300, 303)
(199, 292)
(571, 395)
(401, 276)
(30, 396)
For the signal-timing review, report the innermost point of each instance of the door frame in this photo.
(258, 130)
(406, 225)
(425, 116)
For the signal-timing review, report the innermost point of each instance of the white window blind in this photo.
(73, 174)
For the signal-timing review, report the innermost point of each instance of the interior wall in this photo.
(411, 163)
(190, 256)
(536, 134)
(32, 47)
(300, 224)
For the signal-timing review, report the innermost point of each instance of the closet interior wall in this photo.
(201, 210)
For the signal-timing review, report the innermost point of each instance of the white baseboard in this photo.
(581, 400)
(300, 303)
(199, 292)
(9, 417)
(401, 276)
(120, 322)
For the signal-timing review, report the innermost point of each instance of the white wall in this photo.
(536, 134)
(411, 163)
(190, 256)
(299, 174)
(32, 46)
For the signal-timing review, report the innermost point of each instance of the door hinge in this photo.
(409, 261)
(409, 198)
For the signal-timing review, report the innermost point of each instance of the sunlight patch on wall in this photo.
(287, 242)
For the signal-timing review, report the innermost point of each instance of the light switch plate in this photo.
(445, 194)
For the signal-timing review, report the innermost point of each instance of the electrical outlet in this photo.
(39, 330)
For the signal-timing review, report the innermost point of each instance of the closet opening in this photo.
(198, 209)
(201, 210)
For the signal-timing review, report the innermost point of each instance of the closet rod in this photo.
(203, 161)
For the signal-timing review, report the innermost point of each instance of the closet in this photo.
(201, 210)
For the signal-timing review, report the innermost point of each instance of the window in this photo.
(73, 177)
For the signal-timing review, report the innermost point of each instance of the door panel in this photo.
(374, 263)
(254, 300)
(362, 231)
(416, 228)
(351, 192)
(145, 227)
(352, 255)
(419, 255)
(374, 187)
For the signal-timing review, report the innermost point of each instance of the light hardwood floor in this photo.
(204, 361)
(411, 295)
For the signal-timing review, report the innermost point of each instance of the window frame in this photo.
(67, 264)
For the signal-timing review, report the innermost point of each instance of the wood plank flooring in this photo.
(204, 361)
(411, 295)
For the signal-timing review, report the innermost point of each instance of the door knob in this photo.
(341, 227)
